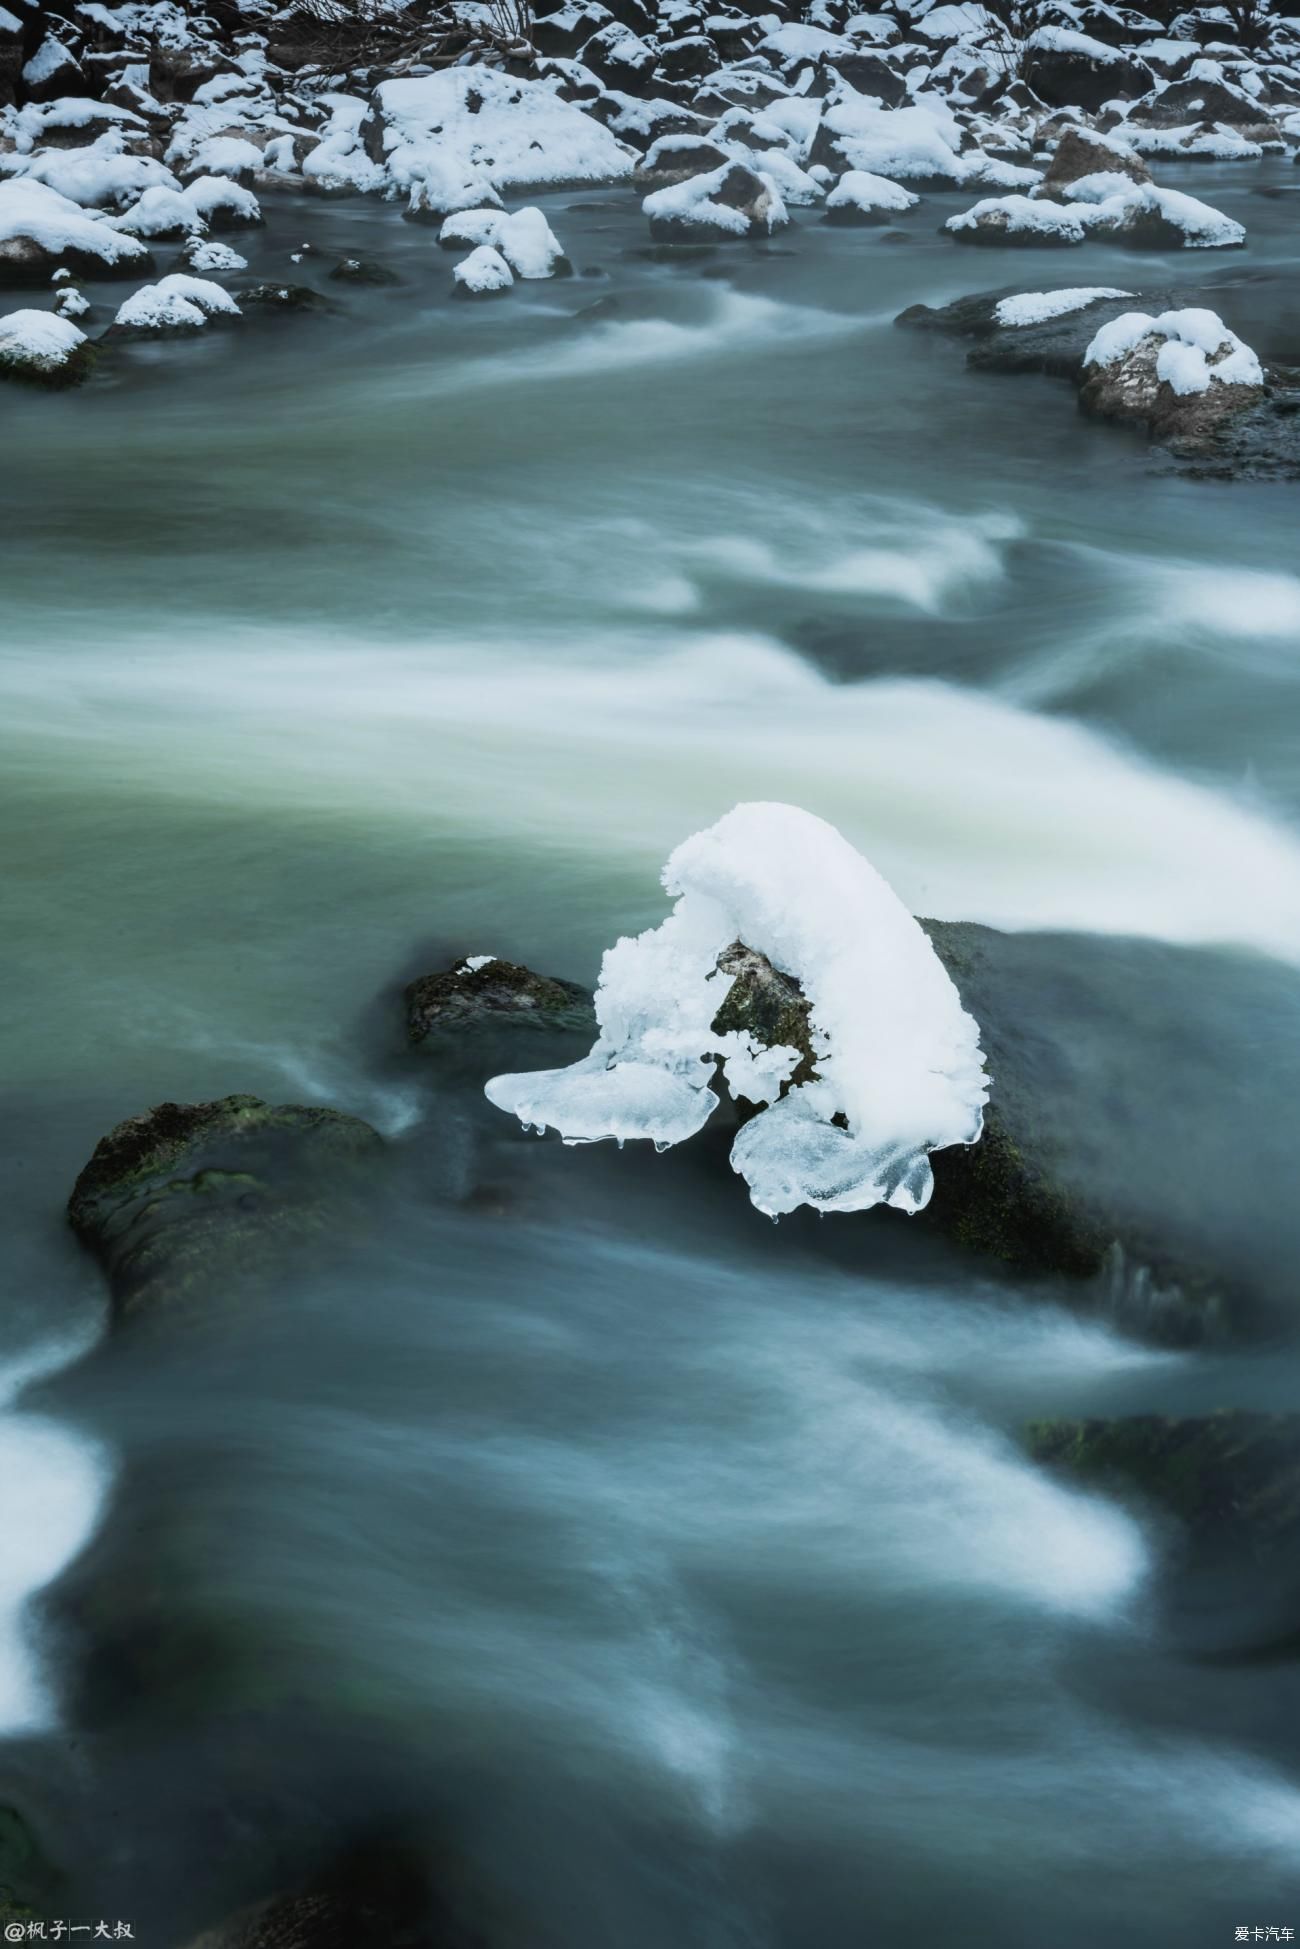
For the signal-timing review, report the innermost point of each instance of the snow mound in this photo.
(732, 200)
(205, 254)
(1198, 349)
(907, 144)
(858, 189)
(484, 270)
(525, 239)
(899, 1067)
(1022, 216)
(38, 341)
(55, 224)
(1036, 307)
(176, 303)
(513, 133)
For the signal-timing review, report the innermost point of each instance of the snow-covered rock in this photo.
(729, 202)
(524, 238)
(178, 303)
(514, 134)
(1191, 350)
(1140, 216)
(1083, 152)
(861, 198)
(39, 230)
(43, 348)
(896, 1068)
(204, 254)
(483, 273)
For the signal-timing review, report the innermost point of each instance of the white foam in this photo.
(52, 1484)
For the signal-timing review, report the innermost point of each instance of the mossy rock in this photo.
(1233, 1478)
(193, 1195)
(493, 996)
(270, 296)
(72, 371)
(362, 270)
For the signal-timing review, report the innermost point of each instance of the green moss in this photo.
(190, 1196)
(1231, 1478)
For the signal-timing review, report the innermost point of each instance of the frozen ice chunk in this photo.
(899, 1071)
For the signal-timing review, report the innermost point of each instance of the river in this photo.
(685, 1573)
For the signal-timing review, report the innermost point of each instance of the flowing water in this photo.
(684, 1574)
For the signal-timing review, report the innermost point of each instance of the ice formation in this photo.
(899, 1067)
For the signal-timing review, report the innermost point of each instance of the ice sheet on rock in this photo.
(1036, 307)
(899, 1067)
(1198, 349)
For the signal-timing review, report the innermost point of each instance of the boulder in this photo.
(1184, 103)
(282, 297)
(728, 203)
(485, 992)
(1228, 432)
(361, 270)
(1069, 71)
(1081, 153)
(179, 1201)
(1079, 1055)
(43, 348)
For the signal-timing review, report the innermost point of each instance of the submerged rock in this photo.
(283, 297)
(192, 1194)
(360, 270)
(1231, 1483)
(485, 992)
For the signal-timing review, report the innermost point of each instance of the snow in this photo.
(1220, 144)
(692, 202)
(898, 1058)
(97, 176)
(525, 239)
(207, 255)
(38, 340)
(1022, 215)
(225, 155)
(1064, 40)
(906, 143)
(176, 302)
(473, 962)
(1203, 228)
(71, 303)
(1198, 349)
(339, 161)
(214, 196)
(49, 57)
(484, 270)
(57, 224)
(1036, 307)
(513, 133)
(858, 189)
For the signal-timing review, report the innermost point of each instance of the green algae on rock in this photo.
(192, 1193)
(484, 992)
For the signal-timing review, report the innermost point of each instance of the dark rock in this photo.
(499, 994)
(1064, 78)
(360, 270)
(738, 189)
(74, 371)
(565, 31)
(768, 1005)
(620, 58)
(1230, 1482)
(283, 297)
(688, 58)
(1078, 1053)
(1079, 153)
(1229, 432)
(1188, 102)
(188, 1195)
(26, 264)
(373, 1896)
(869, 75)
